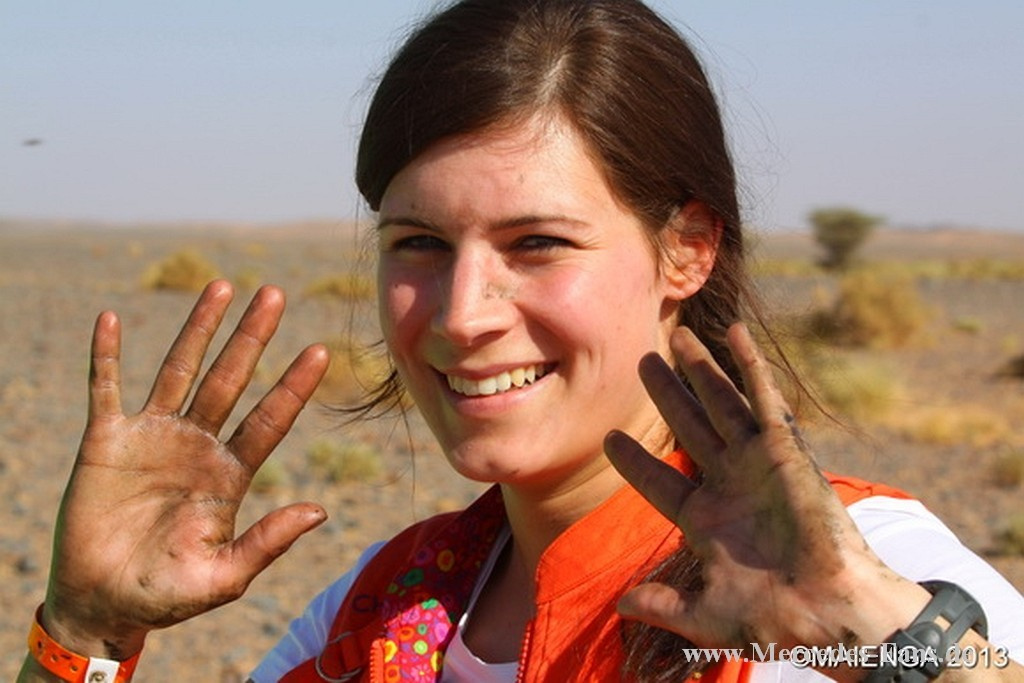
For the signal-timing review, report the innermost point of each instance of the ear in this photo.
(689, 245)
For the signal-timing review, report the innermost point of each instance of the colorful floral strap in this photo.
(417, 608)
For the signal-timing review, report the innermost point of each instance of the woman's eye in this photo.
(541, 243)
(419, 243)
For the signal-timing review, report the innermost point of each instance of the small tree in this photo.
(840, 231)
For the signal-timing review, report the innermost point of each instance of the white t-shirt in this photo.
(905, 535)
(460, 664)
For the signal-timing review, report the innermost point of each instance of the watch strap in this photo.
(928, 638)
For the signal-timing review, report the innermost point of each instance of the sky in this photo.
(249, 111)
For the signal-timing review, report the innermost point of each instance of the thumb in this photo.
(659, 605)
(270, 537)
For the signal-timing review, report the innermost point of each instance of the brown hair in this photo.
(635, 92)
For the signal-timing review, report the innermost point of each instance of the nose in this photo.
(478, 299)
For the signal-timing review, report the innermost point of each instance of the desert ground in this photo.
(944, 424)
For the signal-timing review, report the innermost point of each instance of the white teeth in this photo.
(503, 381)
(488, 387)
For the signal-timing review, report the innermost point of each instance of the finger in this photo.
(659, 605)
(726, 407)
(105, 368)
(767, 403)
(267, 423)
(664, 487)
(231, 372)
(684, 415)
(265, 541)
(181, 365)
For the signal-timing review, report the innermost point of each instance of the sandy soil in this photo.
(55, 279)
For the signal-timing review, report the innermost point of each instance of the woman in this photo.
(556, 206)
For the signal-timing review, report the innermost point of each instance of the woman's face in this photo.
(517, 295)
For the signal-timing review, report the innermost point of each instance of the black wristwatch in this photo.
(919, 652)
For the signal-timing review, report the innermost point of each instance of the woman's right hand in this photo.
(145, 537)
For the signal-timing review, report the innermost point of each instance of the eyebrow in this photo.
(406, 220)
(504, 224)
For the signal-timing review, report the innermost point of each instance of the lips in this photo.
(496, 384)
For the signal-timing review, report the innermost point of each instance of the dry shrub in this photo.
(970, 270)
(976, 427)
(352, 371)
(346, 286)
(968, 325)
(344, 462)
(986, 269)
(785, 268)
(257, 250)
(843, 383)
(186, 270)
(248, 278)
(875, 308)
(798, 359)
(270, 476)
(860, 388)
(1008, 470)
(1009, 344)
(1010, 540)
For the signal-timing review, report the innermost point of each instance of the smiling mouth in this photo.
(497, 384)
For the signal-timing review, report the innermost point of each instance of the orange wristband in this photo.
(69, 666)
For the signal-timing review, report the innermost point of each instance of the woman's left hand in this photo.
(782, 561)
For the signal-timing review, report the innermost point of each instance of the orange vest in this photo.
(400, 613)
